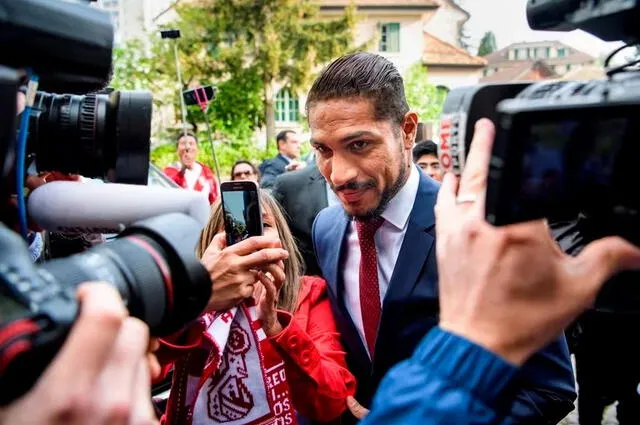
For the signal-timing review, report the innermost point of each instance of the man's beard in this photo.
(385, 198)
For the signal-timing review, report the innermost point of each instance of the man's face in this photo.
(431, 166)
(291, 146)
(187, 150)
(366, 161)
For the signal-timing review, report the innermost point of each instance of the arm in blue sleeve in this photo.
(546, 387)
(448, 380)
(269, 174)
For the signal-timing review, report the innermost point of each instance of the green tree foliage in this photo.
(423, 97)
(243, 48)
(488, 44)
(278, 42)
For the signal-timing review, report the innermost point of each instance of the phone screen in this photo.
(242, 215)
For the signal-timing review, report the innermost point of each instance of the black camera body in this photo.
(67, 47)
(565, 151)
(88, 131)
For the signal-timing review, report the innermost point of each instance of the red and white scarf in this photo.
(236, 377)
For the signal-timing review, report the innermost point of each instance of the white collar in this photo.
(399, 209)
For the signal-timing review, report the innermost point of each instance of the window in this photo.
(389, 38)
(547, 52)
(287, 107)
(516, 54)
(562, 53)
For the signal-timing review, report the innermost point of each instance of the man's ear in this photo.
(409, 129)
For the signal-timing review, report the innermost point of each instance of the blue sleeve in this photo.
(269, 173)
(448, 380)
(546, 386)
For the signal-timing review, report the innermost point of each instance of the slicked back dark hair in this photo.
(363, 75)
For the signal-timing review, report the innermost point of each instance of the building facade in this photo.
(535, 61)
(406, 33)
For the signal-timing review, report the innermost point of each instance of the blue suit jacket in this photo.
(272, 168)
(410, 310)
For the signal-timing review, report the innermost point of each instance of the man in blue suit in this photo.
(377, 249)
(287, 159)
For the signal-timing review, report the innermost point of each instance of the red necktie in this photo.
(369, 288)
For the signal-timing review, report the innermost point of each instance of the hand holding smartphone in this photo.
(241, 209)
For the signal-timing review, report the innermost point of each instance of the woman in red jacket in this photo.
(296, 318)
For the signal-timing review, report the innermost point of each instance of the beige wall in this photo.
(411, 34)
(453, 78)
(444, 24)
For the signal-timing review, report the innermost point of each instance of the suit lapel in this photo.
(416, 247)
(338, 233)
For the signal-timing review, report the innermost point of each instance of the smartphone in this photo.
(200, 94)
(241, 210)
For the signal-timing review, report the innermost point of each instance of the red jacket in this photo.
(175, 173)
(310, 346)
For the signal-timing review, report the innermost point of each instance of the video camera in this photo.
(563, 149)
(67, 47)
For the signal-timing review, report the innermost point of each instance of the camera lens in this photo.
(154, 267)
(105, 135)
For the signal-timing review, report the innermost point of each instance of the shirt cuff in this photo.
(294, 343)
(470, 366)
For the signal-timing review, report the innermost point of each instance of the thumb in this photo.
(602, 259)
(356, 408)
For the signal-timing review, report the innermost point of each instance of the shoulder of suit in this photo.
(292, 177)
(328, 216)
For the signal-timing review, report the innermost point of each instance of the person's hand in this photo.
(295, 165)
(511, 289)
(101, 374)
(233, 269)
(269, 286)
(356, 409)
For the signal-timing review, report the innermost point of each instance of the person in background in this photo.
(296, 317)
(425, 156)
(189, 173)
(286, 160)
(244, 170)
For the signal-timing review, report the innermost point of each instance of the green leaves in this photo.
(243, 47)
(487, 44)
(424, 98)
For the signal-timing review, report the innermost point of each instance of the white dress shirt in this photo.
(388, 239)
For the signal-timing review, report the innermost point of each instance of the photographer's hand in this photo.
(233, 269)
(511, 289)
(101, 374)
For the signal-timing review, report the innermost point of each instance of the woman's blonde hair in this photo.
(293, 267)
